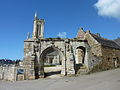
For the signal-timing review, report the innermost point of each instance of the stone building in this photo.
(78, 55)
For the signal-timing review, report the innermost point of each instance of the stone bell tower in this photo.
(38, 28)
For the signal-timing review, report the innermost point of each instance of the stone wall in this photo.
(10, 73)
(7, 73)
(1, 73)
(106, 57)
(111, 57)
(95, 50)
(95, 46)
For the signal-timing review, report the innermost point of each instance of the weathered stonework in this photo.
(77, 55)
(10, 73)
(70, 56)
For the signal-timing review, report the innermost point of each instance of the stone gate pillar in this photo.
(63, 68)
(29, 67)
(41, 68)
(70, 60)
(70, 64)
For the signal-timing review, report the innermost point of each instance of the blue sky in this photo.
(16, 19)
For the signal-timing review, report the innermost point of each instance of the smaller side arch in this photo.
(80, 54)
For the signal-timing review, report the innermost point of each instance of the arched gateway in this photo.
(51, 56)
(77, 55)
(40, 52)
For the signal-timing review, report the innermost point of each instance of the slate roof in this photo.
(117, 41)
(106, 42)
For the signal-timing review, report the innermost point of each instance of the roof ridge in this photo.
(106, 42)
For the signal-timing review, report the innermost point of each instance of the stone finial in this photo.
(35, 17)
(88, 31)
(28, 35)
(35, 14)
(80, 28)
(81, 33)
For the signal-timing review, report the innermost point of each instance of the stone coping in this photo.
(53, 39)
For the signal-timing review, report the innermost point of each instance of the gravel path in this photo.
(107, 80)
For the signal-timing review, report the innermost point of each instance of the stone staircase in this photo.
(83, 70)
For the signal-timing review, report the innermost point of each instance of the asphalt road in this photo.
(107, 80)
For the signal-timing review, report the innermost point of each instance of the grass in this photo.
(49, 65)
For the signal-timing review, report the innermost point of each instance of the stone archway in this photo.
(80, 55)
(80, 59)
(51, 57)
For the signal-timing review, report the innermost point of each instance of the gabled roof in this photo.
(106, 42)
(117, 41)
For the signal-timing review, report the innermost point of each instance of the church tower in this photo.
(38, 28)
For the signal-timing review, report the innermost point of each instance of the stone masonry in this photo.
(71, 56)
(76, 55)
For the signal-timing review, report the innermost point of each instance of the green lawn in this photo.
(49, 65)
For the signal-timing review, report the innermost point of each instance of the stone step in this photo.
(82, 71)
(83, 67)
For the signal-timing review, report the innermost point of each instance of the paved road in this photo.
(107, 80)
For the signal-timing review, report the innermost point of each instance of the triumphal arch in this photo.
(69, 54)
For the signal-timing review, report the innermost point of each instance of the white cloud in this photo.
(62, 34)
(109, 8)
